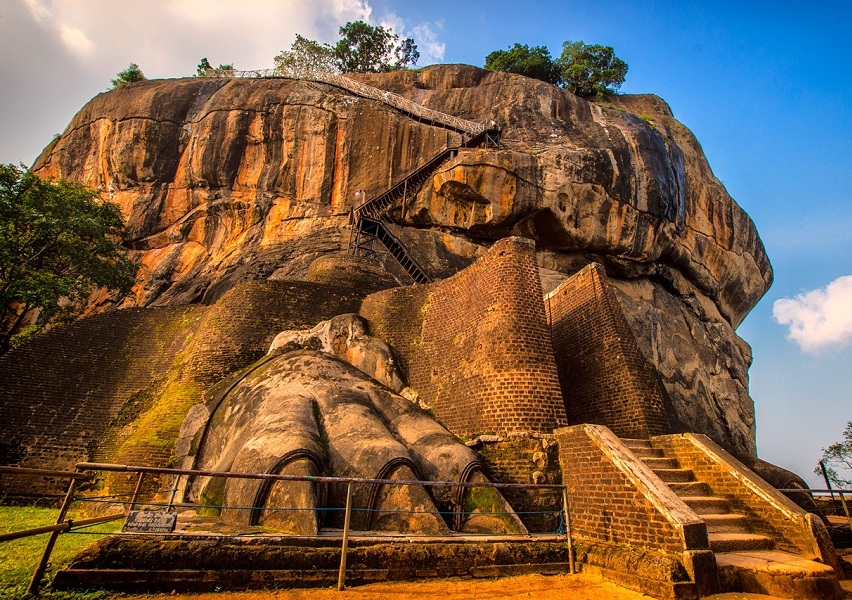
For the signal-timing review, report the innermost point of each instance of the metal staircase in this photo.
(370, 218)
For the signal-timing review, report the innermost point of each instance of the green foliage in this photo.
(534, 62)
(307, 56)
(365, 48)
(584, 69)
(362, 48)
(205, 69)
(18, 558)
(129, 75)
(590, 69)
(837, 459)
(58, 242)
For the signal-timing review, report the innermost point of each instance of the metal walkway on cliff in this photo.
(370, 218)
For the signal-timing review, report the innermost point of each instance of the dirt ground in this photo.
(540, 587)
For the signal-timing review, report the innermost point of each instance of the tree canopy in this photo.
(534, 62)
(362, 48)
(306, 56)
(129, 75)
(205, 69)
(837, 459)
(58, 242)
(591, 69)
(584, 69)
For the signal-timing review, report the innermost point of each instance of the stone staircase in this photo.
(746, 561)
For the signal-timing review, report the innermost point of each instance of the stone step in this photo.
(707, 505)
(777, 573)
(670, 475)
(690, 488)
(738, 542)
(726, 523)
(661, 463)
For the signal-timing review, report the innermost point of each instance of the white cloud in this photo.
(76, 40)
(819, 319)
(430, 47)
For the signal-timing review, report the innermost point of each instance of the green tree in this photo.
(129, 75)
(837, 459)
(534, 62)
(205, 69)
(365, 48)
(307, 56)
(590, 69)
(58, 242)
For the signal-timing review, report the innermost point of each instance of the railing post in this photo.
(45, 557)
(845, 508)
(571, 567)
(341, 575)
(135, 498)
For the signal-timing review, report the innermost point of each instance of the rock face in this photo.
(226, 180)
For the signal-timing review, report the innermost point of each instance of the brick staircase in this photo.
(747, 561)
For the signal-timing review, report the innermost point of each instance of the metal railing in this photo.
(62, 525)
(165, 500)
(419, 111)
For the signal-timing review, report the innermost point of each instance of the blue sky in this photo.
(765, 86)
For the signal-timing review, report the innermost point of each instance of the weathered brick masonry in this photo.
(605, 503)
(115, 387)
(604, 377)
(476, 346)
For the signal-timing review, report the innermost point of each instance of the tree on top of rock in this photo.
(591, 69)
(129, 75)
(534, 62)
(584, 69)
(362, 48)
(58, 242)
(307, 56)
(205, 69)
(365, 48)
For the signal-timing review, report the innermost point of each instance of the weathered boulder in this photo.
(226, 180)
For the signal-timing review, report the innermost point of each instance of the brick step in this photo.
(198, 580)
(707, 505)
(661, 463)
(671, 475)
(777, 573)
(643, 453)
(690, 488)
(726, 523)
(738, 542)
(636, 443)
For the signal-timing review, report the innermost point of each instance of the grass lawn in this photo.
(19, 558)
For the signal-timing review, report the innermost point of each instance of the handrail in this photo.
(471, 128)
(87, 466)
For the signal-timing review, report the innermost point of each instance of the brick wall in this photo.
(605, 503)
(526, 458)
(65, 390)
(604, 377)
(116, 387)
(476, 346)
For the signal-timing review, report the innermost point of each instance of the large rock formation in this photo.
(227, 180)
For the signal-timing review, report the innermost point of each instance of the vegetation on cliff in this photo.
(584, 69)
(57, 243)
(362, 48)
(129, 75)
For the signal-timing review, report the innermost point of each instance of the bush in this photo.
(129, 75)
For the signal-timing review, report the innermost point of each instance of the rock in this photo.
(307, 413)
(227, 180)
